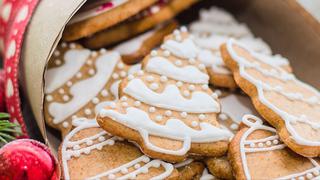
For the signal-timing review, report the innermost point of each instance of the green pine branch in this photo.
(8, 130)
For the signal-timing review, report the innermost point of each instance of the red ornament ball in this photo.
(27, 159)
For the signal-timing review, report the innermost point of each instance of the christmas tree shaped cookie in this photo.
(256, 152)
(76, 80)
(88, 152)
(167, 108)
(288, 104)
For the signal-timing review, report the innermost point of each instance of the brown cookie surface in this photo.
(165, 11)
(88, 152)
(220, 167)
(133, 50)
(190, 169)
(288, 104)
(170, 94)
(96, 16)
(257, 152)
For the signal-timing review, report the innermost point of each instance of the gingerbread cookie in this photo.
(162, 11)
(171, 93)
(88, 152)
(220, 22)
(190, 169)
(77, 79)
(220, 167)
(291, 106)
(216, 15)
(257, 152)
(95, 16)
(136, 48)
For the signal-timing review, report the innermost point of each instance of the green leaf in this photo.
(4, 116)
(8, 130)
(3, 140)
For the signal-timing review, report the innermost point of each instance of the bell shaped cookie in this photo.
(89, 152)
(257, 152)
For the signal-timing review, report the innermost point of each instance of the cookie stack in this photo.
(179, 113)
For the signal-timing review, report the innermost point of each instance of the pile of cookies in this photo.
(166, 103)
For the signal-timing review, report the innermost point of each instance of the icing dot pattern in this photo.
(269, 142)
(97, 142)
(88, 70)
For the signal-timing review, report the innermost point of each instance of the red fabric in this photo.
(2, 94)
(14, 18)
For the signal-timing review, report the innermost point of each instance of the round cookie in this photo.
(133, 50)
(257, 152)
(77, 79)
(88, 152)
(156, 14)
(288, 104)
(170, 93)
(95, 16)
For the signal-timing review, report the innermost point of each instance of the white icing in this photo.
(77, 151)
(83, 91)
(102, 105)
(199, 102)
(185, 49)
(276, 60)
(216, 15)
(95, 11)
(132, 175)
(140, 121)
(282, 75)
(114, 89)
(214, 41)
(189, 74)
(257, 44)
(235, 30)
(214, 61)
(211, 57)
(133, 45)
(56, 77)
(134, 68)
(206, 176)
(254, 124)
(183, 163)
(235, 106)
